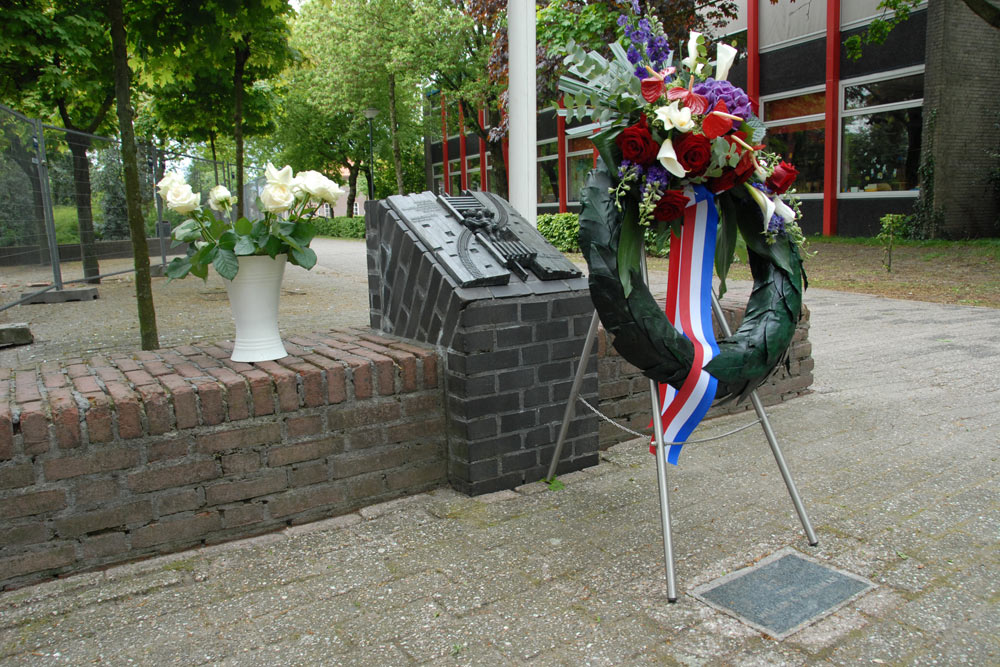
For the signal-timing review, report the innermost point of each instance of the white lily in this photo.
(673, 116)
(692, 53)
(725, 56)
(766, 204)
(276, 177)
(668, 158)
(783, 210)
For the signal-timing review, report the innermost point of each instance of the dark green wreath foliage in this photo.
(642, 333)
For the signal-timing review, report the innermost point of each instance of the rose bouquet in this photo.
(288, 202)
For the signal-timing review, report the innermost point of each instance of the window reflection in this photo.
(881, 151)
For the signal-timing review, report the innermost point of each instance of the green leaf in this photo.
(755, 129)
(629, 250)
(187, 231)
(243, 227)
(226, 264)
(228, 239)
(273, 246)
(245, 246)
(200, 269)
(304, 257)
(725, 244)
(178, 268)
(555, 484)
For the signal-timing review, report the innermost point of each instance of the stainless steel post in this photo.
(771, 439)
(661, 474)
(574, 392)
(50, 224)
(160, 230)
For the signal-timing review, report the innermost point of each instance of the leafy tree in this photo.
(186, 45)
(895, 12)
(56, 59)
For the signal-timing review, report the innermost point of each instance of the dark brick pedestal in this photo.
(511, 352)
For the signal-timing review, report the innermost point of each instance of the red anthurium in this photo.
(652, 89)
(715, 124)
(698, 104)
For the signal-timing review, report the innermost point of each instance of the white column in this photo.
(523, 151)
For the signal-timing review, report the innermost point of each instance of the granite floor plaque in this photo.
(783, 593)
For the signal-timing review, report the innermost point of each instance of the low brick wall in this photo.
(122, 457)
(127, 456)
(624, 391)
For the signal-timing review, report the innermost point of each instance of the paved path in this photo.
(895, 454)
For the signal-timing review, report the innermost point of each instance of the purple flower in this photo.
(737, 102)
(641, 71)
(656, 179)
(635, 7)
(622, 20)
(633, 55)
(776, 225)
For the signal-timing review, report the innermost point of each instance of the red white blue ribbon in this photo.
(689, 309)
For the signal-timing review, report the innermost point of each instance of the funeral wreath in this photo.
(676, 133)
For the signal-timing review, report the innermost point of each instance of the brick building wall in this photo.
(961, 87)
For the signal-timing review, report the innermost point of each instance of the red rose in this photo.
(671, 206)
(637, 143)
(782, 178)
(694, 152)
(741, 173)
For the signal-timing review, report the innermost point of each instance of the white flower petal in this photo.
(668, 158)
(725, 57)
(783, 210)
(763, 201)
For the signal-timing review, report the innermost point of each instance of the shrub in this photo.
(341, 228)
(562, 230)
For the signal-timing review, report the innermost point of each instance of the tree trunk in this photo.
(498, 169)
(133, 203)
(352, 188)
(78, 146)
(397, 154)
(215, 160)
(242, 52)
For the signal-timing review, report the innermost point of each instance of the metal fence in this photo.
(62, 202)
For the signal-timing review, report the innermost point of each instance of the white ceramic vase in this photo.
(253, 296)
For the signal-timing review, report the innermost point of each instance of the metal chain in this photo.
(646, 435)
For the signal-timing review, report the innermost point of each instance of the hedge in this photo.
(563, 230)
(341, 228)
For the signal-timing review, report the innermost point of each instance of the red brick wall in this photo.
(120, 457)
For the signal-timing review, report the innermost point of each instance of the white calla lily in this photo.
(783, 210)
(763, 201)
(692, 52)
(725, 56)
(668, 158)
(673, 116)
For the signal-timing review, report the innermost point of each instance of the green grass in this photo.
(67, 228)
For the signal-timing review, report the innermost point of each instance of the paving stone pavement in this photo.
(895, 454)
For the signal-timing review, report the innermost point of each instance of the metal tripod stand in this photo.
(661, 454)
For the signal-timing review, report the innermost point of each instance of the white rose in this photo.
(277, 198)
(316, 187)
(274, 176)
(170, 179)
(219, 198)
(181, 198)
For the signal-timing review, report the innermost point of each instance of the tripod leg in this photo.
(574, 392)
(771, 440)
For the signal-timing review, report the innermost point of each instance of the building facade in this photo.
(852, 128)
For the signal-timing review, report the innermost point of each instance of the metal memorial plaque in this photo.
(783, 593)
(479, 239)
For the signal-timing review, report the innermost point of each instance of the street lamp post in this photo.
(370, 114)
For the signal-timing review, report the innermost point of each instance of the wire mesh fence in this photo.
(63, 209)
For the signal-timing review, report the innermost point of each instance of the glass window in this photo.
(800, 144)
(472, 172)
(578, 166)
(793, 107)
(548, 181)
(890, 91)
(881, 151)
(548, 148)
(579, 144)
